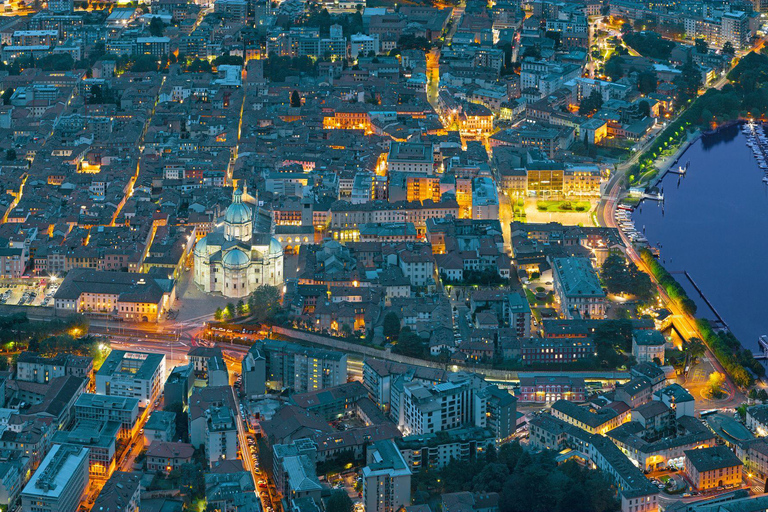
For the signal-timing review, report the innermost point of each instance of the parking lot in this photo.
(28, 292)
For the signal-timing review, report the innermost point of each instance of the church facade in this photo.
(233, 260)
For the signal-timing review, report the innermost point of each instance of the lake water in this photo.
(714, 225)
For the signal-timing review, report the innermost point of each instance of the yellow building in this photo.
(709, 468)
(347, 119)
(476, 120)
(582, 180)
(545, 178)
(421, 188)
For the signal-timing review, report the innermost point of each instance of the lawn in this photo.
(563, 206)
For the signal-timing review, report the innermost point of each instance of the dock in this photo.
(720, 319)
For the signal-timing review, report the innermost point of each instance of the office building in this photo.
(123, 410)
(137, 375)
(59, 482)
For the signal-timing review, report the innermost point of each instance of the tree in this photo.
(752, 395)
(339, 502)
(346, 330)
(613, 69)
(591, 104)
(145, 64)
(234, 60)
(695, 348)
(647, 82)
(411, 42)
(391, 325)
(7, 95)
(156, 26)
(728, 49)
(199, 66)
(10, 154)
(689, 81)
(218, 314)
(532, 51)
(701, 46)
(715, 384)
(645, 108)
(409, 344)
(181, 420)
(264, 302)
(295, 99)
(762, 395)
(241, 308)
(229, 311)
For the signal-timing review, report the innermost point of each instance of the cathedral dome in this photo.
(236, 259)
(201, 247)
(275, 247)
(238, 213)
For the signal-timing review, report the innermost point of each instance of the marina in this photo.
(717, 205)
(758, 143)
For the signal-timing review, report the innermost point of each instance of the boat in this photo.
(763, 342)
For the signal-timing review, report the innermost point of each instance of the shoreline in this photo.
(717, 320)
(672, 159)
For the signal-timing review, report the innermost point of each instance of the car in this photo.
(687, 495)
(661, 486)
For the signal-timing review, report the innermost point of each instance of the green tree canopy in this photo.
(339, 502)
(156, 26)
(264, 302)
(622, 277)
(591, 104)
(391, 325)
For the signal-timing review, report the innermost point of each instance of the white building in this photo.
(59, 481)
(362, 45)
(236, 261)
(648, 345)
(426, 409)
(386, 478)
(137, 375)
(411, 157)
(220, 435)
(485, 198)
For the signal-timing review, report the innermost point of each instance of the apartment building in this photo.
(386, 479)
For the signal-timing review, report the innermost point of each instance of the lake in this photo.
(713, 224)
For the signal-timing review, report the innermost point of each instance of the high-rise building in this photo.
(735, 29)
(386, 479)
(302, 369)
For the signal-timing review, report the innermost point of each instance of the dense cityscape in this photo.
(331, 256)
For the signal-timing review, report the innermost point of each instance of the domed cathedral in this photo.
(239, 256)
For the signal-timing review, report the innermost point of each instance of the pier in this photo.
(680, 169)
(704, 298)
